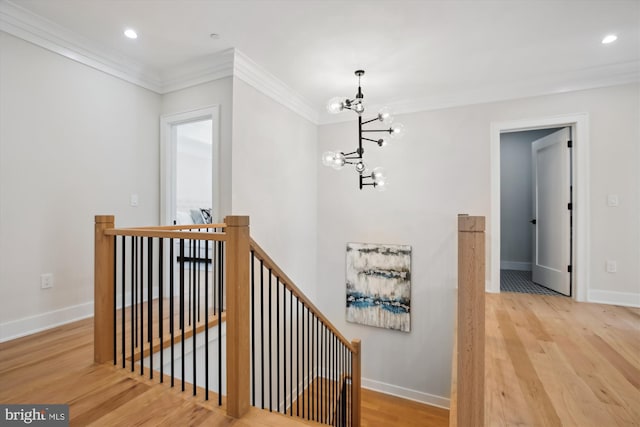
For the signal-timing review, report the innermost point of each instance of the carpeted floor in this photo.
(520, 281)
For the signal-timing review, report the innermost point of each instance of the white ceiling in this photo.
(415, 53)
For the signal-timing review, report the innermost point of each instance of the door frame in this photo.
(168, 160)
(579, 123)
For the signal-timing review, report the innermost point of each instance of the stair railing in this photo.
(301, 365)
(165, 295)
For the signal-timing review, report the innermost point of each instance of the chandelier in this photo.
(338, 159)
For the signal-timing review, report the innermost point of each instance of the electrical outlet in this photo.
(612, 266)
(613, 200)
(46, 281)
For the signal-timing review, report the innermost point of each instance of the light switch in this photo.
(612, 200)
(612, 266)
(133, 200)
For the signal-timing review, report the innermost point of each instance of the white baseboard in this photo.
(405, 393)
(626, 299)
(515, 265)
(40, 322)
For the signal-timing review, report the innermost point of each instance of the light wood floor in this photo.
(550, 362)
(553, 362)
(56, 366)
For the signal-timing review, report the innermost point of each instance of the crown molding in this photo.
(255, 75)
(26, 25)
(210, 68)
(21, 23)
(587, 78)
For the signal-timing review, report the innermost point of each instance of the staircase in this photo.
(205, 310)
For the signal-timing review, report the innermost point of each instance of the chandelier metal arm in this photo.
(369, 139)
(362, 183)
(369, 121)
(390, 130)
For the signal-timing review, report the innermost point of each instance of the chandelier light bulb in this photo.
(336, 104)
(339, 161)
(383, 142)
(384, 115)
(359, 107)
(328, 158)
(397, 131)
(381, 186)
(378, 175)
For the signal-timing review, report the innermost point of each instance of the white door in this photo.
(190, 172)
(551, 211)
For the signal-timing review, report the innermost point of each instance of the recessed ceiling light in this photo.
(609, 39)
(130, 33)
(214, 36)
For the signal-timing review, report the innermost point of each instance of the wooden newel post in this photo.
(238, 305)
(103, 298)
(471, 317)
(356, 382)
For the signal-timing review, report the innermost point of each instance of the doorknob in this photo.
(533, 221)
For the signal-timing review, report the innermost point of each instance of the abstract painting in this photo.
(379, 285)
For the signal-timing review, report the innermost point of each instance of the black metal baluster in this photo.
(262, 331)
(123, 306)
(132, 309)
(253, 332)
(115, 299)
(198, 278)
(182, 307)
(206, 319)
(278, 344)
(291, 352)
(323, 361)
(308, 365)
(220, 308)
(160, 304)
(298, 356)
(270, 346)
(150, 302)
(134, 292)
(323, 379)
(191, 277)
(284, 347)
(193, 325)
(171, 298)
(141, 246)
(351, 388)
(314, 383)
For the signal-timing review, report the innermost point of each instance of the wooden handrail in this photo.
(288, 283)
(467, 406)
(181, 227)
(166, 234)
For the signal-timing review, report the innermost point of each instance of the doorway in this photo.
(535, 180)
(190, 173)
(580, 214)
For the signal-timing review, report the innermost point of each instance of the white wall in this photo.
(72, 142)
(516, 198)
(274, 180)
(442, 168)
(218, 92)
